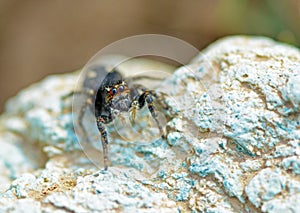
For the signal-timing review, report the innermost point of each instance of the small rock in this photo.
(265, 186)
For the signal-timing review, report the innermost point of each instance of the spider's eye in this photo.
(114, 91)
(121, 88)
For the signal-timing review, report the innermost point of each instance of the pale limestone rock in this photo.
(233, 141)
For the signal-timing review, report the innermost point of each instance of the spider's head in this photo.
(119, 97)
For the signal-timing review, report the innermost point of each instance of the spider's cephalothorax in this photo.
(112, 95)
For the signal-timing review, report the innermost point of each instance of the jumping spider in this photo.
(108, 95)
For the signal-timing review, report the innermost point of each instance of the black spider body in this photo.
(113, 96)
(109, 94)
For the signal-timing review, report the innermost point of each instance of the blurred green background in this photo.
(40, 37)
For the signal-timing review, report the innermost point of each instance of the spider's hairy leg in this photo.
(160, 97)
(104, 140)
(87, 103)
(148, 98)
(80, 120)
(143, 77)
(85, 91)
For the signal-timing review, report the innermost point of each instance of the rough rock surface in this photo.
(233, 130)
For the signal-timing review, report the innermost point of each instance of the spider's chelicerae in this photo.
(108, 95)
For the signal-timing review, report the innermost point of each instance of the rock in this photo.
(233, 143)
(265, 186)
(14, 160)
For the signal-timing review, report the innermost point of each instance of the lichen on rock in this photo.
(233, 141)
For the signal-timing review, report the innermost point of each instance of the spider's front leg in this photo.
(80, 118)
(101, 120)
(147, 97)
(88, 103)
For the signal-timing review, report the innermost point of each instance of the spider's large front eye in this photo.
(121, 88)
(114, 91)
